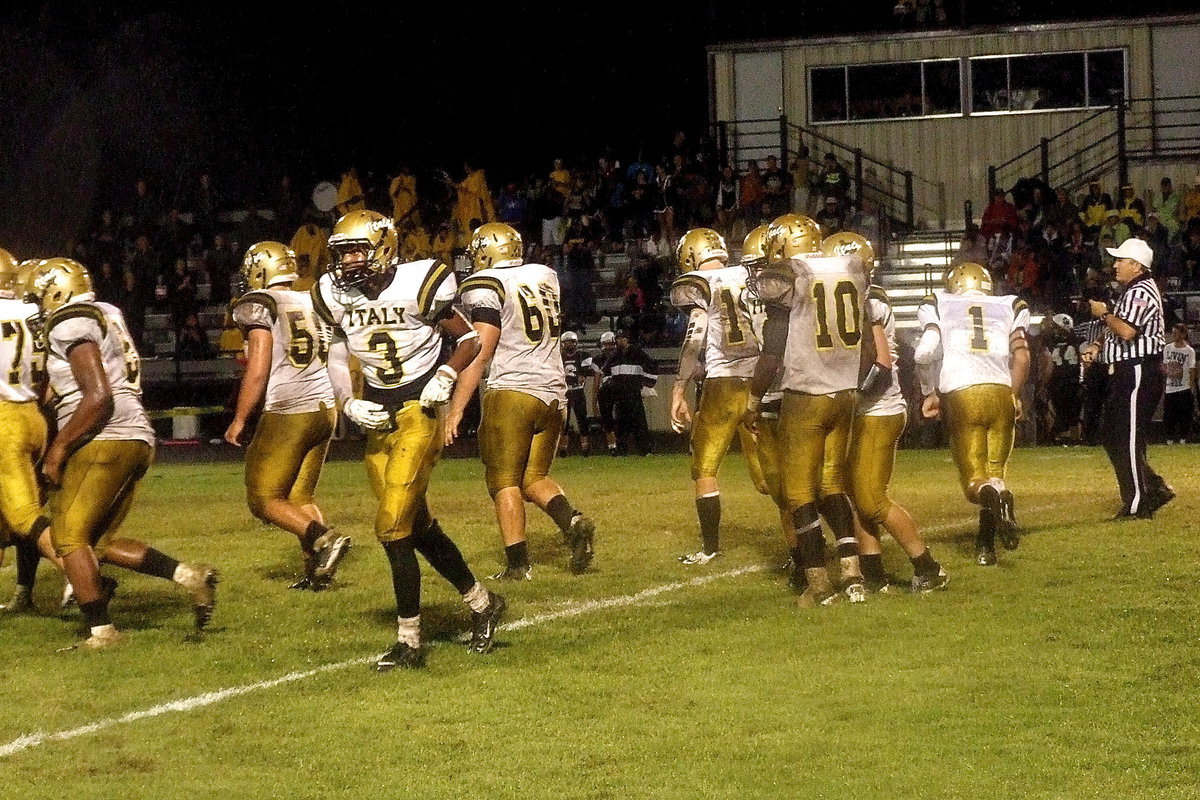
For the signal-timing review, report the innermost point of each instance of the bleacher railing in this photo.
(889, 188)
(1128, 130)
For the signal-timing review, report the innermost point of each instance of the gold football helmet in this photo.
(699, 245)
(754, 246)
(268, 263)
(56, 282)
(10, 274)
(366, 232)
(848, 243)
(968, 276)
(495, 244)
(791, 236)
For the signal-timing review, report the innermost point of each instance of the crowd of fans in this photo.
(1048, 246)
(175, 253)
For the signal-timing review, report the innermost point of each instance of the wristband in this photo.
(753, 404)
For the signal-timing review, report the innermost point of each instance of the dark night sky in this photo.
(96, 94)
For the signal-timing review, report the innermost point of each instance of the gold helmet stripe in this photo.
(429, 287)
(483, 282)
(77, 311)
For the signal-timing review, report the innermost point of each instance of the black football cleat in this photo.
(524, 573)
(329, 550)
(579, 537)
(985, 556)
(993, 500)
(401, 655)
(485, 623)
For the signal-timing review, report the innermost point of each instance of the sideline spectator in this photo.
(776, 189)
(751, 196)
(801, 177)
(834, 179)
(727, 202)
(1179, 403)
(831, 217)
(1166, 205)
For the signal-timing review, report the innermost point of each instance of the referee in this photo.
(1131, 343)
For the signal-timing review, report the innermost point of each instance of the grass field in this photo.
(1069, 671)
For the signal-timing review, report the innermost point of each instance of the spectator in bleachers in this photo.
(1034, 206)
(289, 207)
(999, 218)
(831, 217)
(552, 208)
(560, 177)
(576, 276)
(106, 282)
(473, 204)
(834, 179)
(1094, 207)
(1133, 210)
(181, 293)
(402, 190)
(1165, 204)
(223, 263)
(135, 302)
(726, 201)
(142, 261)
(776, 189)
(751, 196)
(350, 196)
(1189, 259)
(107, 242)
(191, 341)
(801, 179)
(1115, 227)
(1156, 235)
(1189, 206)
(204, 204)
(144, 211)
(666, 199)
(639, 208)
(1062, 213)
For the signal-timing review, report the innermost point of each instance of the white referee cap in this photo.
(1063, 321)
(1136, 249)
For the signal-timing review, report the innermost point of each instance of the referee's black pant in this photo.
(1132, 394)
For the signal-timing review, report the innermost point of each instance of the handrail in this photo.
(1060, 134)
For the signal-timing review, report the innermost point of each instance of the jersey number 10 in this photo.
(847, 311)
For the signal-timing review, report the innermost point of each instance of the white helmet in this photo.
(569, 336)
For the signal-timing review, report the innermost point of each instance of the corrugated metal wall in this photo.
(948, 156)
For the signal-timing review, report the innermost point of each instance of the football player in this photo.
(22, 433)
(287, 348)
(392, 317)
(579, 368)
(514, 307)
(814, 330)
(973, 359)
(878, 424)
(721, 326)
(103, 447)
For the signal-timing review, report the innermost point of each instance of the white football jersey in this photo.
(104, 325)
(395, 336)
(299, 380)
(21, 355)
(527, 356)
(826, 296)
(975, 331)
(732, 346)
(879, 311)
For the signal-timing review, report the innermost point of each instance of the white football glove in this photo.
(437, 391)
(371, 416)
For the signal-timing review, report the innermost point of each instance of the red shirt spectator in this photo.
(1000, 217)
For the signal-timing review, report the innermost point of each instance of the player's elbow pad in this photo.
(876, 382)
(927, 347)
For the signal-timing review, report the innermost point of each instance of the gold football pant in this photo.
(718, 419)
(518, 438)
(814, 436)
(981, 420)
(284, 460)
(873, 443)
(96, 493)
(766, 450)
(22, 442)
(399, 465)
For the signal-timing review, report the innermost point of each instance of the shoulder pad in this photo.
(1019, 305)
(76, 311)
(775, 283)
(263, 299)
(877, 293)
(320, 307)
(438, 272)
(487, 282)
(690, 290)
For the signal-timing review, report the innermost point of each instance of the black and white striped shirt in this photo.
(1141, 306)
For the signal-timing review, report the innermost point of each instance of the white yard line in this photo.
(31, 740)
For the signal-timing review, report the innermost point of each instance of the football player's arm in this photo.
(471, 376)
(1018, 365)
(1118, 326)
(689, 356)
(927, 356)
(466, 347)
(94, 410)
(371, 416)
(770, 358)
(254, 383)
(879, 374)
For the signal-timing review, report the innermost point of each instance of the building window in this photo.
(885, 91)
(1052, 81)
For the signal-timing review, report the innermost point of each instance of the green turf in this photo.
(1067, 672)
